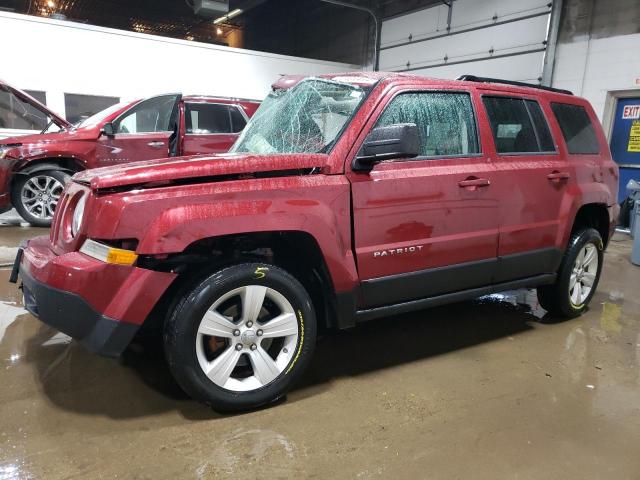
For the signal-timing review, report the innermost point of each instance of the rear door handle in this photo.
(156, 144)
(472, 183)
(556, 176)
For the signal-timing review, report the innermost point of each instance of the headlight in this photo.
(78, 213)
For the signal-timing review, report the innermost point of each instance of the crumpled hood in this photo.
(180, 168)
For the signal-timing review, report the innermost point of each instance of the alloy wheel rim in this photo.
(40, 195)
(247, 338)
(583, 275)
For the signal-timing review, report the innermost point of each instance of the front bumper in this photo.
(100, 305)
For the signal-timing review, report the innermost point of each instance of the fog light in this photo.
(107, 254)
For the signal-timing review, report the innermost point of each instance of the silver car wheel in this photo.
(583, 275)
(247, 338)
(40, 195)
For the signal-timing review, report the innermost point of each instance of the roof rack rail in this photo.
(473, 78)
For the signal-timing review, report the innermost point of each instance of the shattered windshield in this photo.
(307, 118)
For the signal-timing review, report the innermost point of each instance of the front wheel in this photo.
(241, 337)
(36, 196)
(578, 276)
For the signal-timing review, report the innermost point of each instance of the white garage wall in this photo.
(496, 38)
(60, 56)
(591, 68)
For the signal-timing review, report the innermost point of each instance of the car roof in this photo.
(217, 99)
(370, 78)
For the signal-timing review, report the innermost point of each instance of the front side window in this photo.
(307, 118)
(148, 116)
(577, 130)
(512, 126)
(445, 121)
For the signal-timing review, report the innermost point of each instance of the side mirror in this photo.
(108, 130)
(384, 143)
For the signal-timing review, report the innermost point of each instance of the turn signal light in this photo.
(107, 254)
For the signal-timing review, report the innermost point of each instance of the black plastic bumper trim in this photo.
(73, 316)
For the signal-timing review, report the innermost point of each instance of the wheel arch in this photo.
(592, 215)
(66, 164)
(297, 252)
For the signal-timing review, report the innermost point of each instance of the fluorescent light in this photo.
(228, 16)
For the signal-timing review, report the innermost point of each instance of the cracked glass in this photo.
(308, 118)
(445, 121)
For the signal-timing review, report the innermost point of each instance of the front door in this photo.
(427, 226)
(144, 132)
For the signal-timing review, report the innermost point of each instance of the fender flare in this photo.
(41, 167)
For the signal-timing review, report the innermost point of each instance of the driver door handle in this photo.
(555, 175)
(472, 183)
(156, 144)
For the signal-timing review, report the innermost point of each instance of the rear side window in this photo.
(237, 120)
(577, 129)
(541, 126)
(445, 121)
(518, 125)
(206, 118)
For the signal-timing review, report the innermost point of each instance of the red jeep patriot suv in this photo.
(34, 168)
(347, 197)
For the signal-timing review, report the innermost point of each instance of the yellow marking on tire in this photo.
(295, 359)
(261, 272)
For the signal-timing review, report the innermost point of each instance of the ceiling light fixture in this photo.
(51, 4)
(228, 16)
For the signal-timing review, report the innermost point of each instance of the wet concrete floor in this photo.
(486, 389)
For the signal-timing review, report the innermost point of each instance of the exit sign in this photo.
(631, 112)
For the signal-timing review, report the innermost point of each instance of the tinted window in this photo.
(153, 115)
(81, 107)
(445, 121)
(577, 130)
(237, 120)
(203, 118)
(541, 126)
(511, 125)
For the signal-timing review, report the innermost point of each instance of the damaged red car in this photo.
(347, 198)
(34, 168)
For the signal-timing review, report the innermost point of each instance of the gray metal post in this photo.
(551, 42)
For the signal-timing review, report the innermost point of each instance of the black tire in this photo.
(183, 321)
(17, 197)
(626, 207)
(556, 298)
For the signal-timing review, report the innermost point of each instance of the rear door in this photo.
(427, 226)
(211, 127)
(144, 132)
(529, 163)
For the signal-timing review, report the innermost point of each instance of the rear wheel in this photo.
(578, 276)
(241, 337)
(36, 196)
